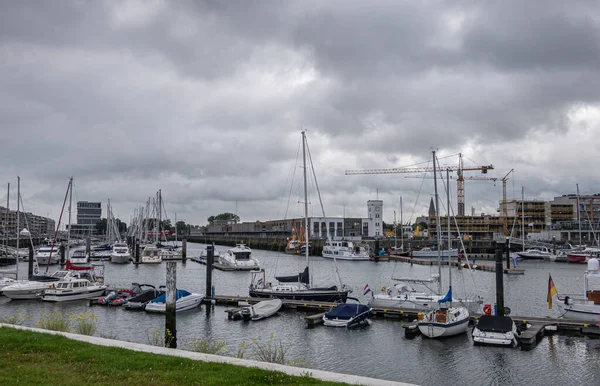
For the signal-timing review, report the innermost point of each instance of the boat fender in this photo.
(567, 300)
(487, 309)
(420, 316)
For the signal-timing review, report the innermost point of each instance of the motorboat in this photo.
(538, 253)
(239, 258)
(295, 287)
(430, 253)
(33, 289)
(261, 310)
(150, 255)
(346, 250)
(170, 252)
(120, 254)
(295, 246)
(204, 253)
(139, 301)
(79, 257)
(184, 301)
(47, 255)
(6, 281)
(586, 307)
(121, 296)
(74, 289)
(495, 331)
(347, 314)
(403, 296)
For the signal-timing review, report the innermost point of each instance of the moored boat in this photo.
(346, 250)
(150, 255)
(430, 253)
(347, 314)
(48, 255)
(587, 306)
(79, 257)
(120, 254)
(184, 301)
(261, 310)
(74, 289)
(239, 258)
(495, 330)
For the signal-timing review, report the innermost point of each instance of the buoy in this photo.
(487, 309)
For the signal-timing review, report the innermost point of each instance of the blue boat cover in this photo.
(346, 311)
(163, 298)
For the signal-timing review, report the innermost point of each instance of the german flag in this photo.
(551, 290)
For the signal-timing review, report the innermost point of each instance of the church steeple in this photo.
(431, 209)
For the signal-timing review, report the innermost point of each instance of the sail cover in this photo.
(163, 298)
(301, 277)
(448, 297)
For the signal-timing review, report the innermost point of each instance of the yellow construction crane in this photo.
(460, 196)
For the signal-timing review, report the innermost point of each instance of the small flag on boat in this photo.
(259, 282)
(366, 290)
(551, 290)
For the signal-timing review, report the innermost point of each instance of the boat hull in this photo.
(364, 257)
(60, 296)
(351, 322)
(120, 258)
(399, 302)
(442, 330)
(309, 295)
(585, 312)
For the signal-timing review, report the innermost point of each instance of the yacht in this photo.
(120, 254)
(430, 253)
(75, 289)
(403, 296)
(538, 253)
(79, 257)
(33, 289)
(346, 250)
(46, 255)
(150, 255)
(587, 306)
(239, 258)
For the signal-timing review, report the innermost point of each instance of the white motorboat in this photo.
(75, 289)
(347, 314)
(404, 296)
(79, 257)
(430, 253)
(586, 307)
(184, 301)
(239, 258)
(204, 253)
(150, 255)
(170, 252)
(33, 289)
(261, 310)
(495, 331)
(538, 253)
(346, 250)
(120, 254)
(5, 282)
(47, 255)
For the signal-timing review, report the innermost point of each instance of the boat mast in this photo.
(175, 228)
(523, 216)
(305, 202)
(18, 220)
(578, 215)
(395, 232)
(449, 233)
(6, 219)
(437, 225)
(69, 222)
(159, 214)
(401, 227)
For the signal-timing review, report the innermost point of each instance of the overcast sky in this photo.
(206, 99)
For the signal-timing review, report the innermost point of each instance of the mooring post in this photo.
(499, 282)
(210, 257)
(183, 250)
(62, 253)
(30, 270)
(88, 246)
(507, 254)
(170, 309)
(554, 245)
(137, 252)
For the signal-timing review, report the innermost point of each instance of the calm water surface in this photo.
(379, 350)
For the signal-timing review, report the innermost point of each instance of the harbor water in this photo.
(379, 350)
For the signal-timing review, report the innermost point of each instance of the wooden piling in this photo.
(210, 258)
(183, 250)
(88, 246)
(62, 253)
(137, 252)
(30, 270)
(170, 306)
(499, 282)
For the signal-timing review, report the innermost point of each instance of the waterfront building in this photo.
(35, 224)
(88, 215)
(373, 224)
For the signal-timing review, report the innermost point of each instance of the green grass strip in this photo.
(30, 358)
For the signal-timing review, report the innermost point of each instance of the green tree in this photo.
(211, 219)
(165, 225)
(228, 217)
(101, 226)
(181, 227)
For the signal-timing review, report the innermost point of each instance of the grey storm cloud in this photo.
(205, 100)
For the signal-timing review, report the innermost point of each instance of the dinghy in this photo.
(261, 310)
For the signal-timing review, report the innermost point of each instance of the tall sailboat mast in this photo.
(438, 228)
(578, 215)
(523, 216)
(18, 220)
(69, 222)
(449, 233)
(305, 201)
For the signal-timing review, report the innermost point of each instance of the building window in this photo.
(316, 229)
(376, 224)
(377, 215)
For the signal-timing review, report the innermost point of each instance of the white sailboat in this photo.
(586, 307)
(447, 320)
(297, 287)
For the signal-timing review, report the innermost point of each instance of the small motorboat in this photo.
(151, 255)
(139, 301)
(79, 257)
(261, 310)
(347, 314)
(184, 301)
(496, 331)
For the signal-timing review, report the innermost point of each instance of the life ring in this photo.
(440, 318)
(487, 309)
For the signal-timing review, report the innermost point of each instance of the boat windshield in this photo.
(242, 255)
(59, 274)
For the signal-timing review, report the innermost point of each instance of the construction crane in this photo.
(460, 196)
(504, 208)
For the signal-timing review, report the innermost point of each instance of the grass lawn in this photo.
(29, 358)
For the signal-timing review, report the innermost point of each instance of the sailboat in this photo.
(447, 320)
(297, 287)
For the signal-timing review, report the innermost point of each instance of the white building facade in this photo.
(373, 224)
